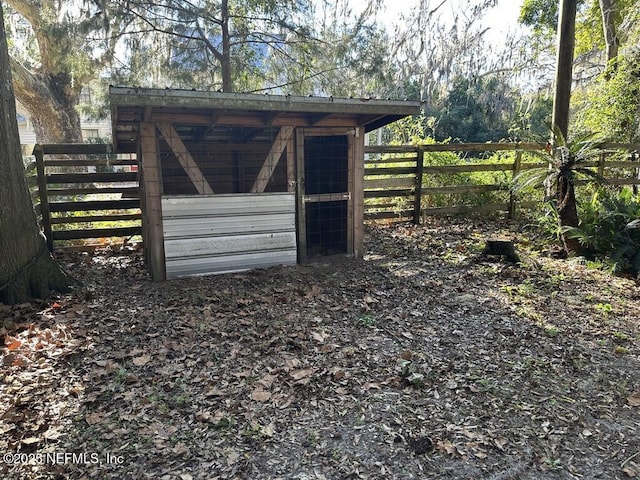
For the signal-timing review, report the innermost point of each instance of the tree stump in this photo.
(501, 247)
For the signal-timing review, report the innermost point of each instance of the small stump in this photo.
(501, 247)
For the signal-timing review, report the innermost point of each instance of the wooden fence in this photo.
(407, 182)
(84, 191)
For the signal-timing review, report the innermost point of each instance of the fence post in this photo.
(38, 152)
(601, 160)
(514, 173)
(634, 158)
(417, 204)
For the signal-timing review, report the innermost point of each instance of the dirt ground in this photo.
(423, 360)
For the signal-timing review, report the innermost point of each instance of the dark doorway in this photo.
(326, 160)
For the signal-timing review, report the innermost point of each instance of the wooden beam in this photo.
(146, 116)
(184, 157)
(315, 119)
(153, 235)
(273, 157)
(291, 165)
(270, 117)
(302, 213)
(357, 194)
(216, 115)
(44, 196)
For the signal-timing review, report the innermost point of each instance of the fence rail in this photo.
(405, 182)
(84, 191)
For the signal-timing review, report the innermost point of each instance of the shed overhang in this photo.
(217, 116)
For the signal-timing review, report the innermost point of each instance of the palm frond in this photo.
(530, 178)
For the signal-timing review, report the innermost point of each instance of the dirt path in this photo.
(421, 361)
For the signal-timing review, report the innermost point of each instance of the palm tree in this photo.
(565, 166)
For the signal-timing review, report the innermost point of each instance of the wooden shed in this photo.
(237, 181)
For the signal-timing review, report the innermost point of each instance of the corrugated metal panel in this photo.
(225, 233)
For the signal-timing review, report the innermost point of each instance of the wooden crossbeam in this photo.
(184, 157)
(273, 157)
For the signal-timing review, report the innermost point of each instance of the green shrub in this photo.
(610, 227)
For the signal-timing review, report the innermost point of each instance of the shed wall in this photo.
(226, 233)
(229, 168)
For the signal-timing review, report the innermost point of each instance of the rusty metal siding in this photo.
(206, 234)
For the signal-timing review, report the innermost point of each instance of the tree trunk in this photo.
(27, 270)
(50, 93)
(564, 66)
(568, 212)
(608, 10)
(51, 101)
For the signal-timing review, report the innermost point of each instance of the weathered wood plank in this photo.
(457, 189)
(273, 158)
(152, 206)
(357, 189)
(418, 184)
(623, 181)
(383, 183)
(92, 205)
(389, 171)
(388, 193)
(468, 168)
(44, 196)
(300, 193)
(184, 157)
(127, 192)
(456, 147)
(372, 163)
(401, 214)
(96, 218)
(83, 162)
(116, 177)
(96, 233)
(76, 148)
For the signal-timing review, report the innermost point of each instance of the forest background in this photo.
(441, 52)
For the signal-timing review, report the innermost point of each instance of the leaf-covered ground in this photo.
(424, 360)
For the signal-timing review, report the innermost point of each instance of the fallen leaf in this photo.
(267, 381)
(93, 418)
(180, 449)
(203, 416)
(319, 337)
(31, 440)
(12, 343)
(634, 400)
(260, 395)
(500, 443)
(141, 360)
(268, 431)
(302, 373)
(446, 447)
(232, 457)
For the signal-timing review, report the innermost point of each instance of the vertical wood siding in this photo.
(206, 234)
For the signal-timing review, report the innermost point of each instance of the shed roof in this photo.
(210, 115)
